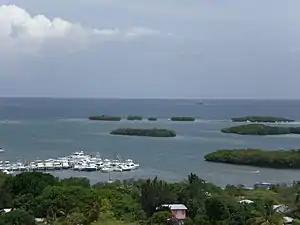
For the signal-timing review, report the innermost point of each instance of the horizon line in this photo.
(146, 98)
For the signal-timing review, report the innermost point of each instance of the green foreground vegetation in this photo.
(144, 132)
(280, 159)
(74, 201)
(261, 129)
(261, 119)
(183, 118)
(105, 118)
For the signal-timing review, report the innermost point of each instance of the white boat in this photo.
(32, 166)
(7, 172)
(6, 165)
(117, 169)
(1, 150)
(106, 163)
(57, 165)
(99, 165)
(49, 165)
(107, 169)
(40, 165)
(65, 165)
(77, 167)
(125, 167)
(89, 167)
(131, 164)
(22, 168)
(77, 155)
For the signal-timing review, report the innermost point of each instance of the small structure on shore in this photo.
(179, 211)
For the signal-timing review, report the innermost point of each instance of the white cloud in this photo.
(22, 32)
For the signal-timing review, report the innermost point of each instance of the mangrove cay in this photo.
(261, 129)
(261, 119)
(152, 119)
(144, 132)
(134, 118)
(105, 118)
(183, 118)
(280, 159)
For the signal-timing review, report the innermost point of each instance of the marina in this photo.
(77, 161)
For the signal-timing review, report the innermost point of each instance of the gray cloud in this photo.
(19, 31)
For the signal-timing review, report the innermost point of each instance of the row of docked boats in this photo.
(77, 161)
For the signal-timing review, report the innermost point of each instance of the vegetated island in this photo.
(144, 132)
(260, 129)
(183, 118)
(134, 118)
(280, 159)
(261, 119)
(105, 118)
(152, 119)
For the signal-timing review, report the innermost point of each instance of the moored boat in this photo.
(7, 172)
(107, 169)
(130, 163)
(117, 169)
(78, 161)
(90, 168)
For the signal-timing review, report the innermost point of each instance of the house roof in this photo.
(175, 206)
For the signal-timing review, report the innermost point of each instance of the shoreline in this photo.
(253, 174)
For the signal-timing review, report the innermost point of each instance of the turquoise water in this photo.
(47, 128)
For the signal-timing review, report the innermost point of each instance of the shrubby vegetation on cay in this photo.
(152, 119)
(73, 201)
(134, 118)
(183, 118)
(261, 129)
(105, 118)
(144, 132)
(261, 119)
(289, 159)
(118, 118)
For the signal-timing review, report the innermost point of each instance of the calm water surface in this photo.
(45, 128)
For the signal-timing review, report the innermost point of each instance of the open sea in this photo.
(32, 128)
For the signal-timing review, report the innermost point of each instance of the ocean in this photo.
(32, 128)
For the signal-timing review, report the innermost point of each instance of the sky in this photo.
(150, 48)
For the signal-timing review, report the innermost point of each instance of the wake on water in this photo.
(10, 122)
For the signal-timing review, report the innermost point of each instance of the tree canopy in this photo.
(74, 201)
